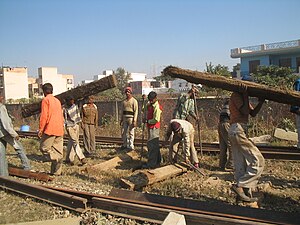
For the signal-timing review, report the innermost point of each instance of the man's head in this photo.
(47, 89)
(70, 100)
(128, 92)
(90, 99)
(175, 126)
(152, 97)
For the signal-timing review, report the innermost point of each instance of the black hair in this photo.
(152, 95)
(47, 88)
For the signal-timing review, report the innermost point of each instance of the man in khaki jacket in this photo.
(89, 124)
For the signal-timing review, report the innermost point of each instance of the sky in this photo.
(86, 37)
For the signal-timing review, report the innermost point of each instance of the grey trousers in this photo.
(248, 161)
(128, 133)
(17, 145)
(225, 157)
(73, 147)
(154, 156)
(89, 141)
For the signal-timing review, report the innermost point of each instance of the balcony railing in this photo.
(266, 47)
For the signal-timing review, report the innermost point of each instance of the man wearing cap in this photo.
(129, 119)
(182, 131)
(88, 125)
(154, 111)
(185, 106)
(72, 121)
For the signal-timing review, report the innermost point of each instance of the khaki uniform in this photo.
(89, 123)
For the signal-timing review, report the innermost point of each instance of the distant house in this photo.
(282, 54)
(13, 82)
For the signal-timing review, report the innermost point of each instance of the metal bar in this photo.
(71, 202)
(158, 214)
(219, 209)
(154, 208)
(28, 174)
(269, 152)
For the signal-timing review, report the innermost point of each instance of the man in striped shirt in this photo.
(72, 121)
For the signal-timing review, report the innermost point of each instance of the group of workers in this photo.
(237, 152)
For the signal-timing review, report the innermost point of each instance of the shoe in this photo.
(83, 161)
(241, 194)
(69, 162)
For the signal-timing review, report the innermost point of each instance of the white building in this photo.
(180, 85)
(137, 77)
(14, 82)
(60, 82)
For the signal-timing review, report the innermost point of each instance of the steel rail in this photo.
(269, 152)
(154, 208)
(62, 199)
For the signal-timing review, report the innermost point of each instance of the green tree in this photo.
(218, 70)
(110, 94)
(122, 77)
(275, 76)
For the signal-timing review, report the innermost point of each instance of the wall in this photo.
(15, 82)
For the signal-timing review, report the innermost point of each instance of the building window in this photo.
(285, 62)
(253, 66)
(179, 85)
(69, 81)
(298, 64)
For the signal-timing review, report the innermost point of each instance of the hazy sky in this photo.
(85, 37)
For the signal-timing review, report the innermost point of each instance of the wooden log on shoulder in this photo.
(289, 97)
(79, 92)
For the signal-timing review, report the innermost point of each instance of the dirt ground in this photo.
(280, 186)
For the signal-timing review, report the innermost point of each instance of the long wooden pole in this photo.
(289, 97)
(78, 93)
(198, 125)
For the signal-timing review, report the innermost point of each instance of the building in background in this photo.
(282, 54)
(33, 87)
(60, 82)
(14, 82)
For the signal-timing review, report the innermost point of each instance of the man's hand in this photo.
(243, 88)
(40, 133)
(17, 137)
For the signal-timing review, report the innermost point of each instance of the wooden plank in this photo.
(147, 177)
(114, 162)
(79, 92)
(285, 135)
(289, 97)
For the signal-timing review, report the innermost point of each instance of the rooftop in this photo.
(270, 49)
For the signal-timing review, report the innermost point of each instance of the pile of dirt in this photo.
(280, 185)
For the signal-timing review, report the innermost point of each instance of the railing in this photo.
(265, 47)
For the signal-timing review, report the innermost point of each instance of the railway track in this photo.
(149, 207)
(269, 152)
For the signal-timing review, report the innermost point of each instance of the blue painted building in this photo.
(283, 54)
